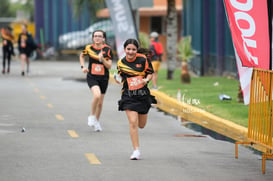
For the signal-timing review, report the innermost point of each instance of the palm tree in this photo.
(144, 40)
(185, 53)
(171, 38)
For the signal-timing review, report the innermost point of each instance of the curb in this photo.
(202, 118)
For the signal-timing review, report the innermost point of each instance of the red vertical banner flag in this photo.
(249, 26)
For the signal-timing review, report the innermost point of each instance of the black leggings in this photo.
(6, 55)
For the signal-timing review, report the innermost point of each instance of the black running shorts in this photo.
(139, 103)
(25, 51)
(103, 84)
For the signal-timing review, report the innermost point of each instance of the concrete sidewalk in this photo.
(54, 100)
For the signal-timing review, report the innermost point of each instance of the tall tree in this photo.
(26, 6)
(171, 38)
(5, 9)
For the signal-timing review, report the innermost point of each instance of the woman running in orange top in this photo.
(136, 72)
(100, 61)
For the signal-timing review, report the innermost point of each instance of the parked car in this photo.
(78, 39)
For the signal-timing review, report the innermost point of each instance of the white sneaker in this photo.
(135, 155)
(154, 88)
(97, 126)
(91, 120)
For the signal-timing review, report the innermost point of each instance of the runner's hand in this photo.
(101, 58)
(85, 70)
(117, 78)
(145, 81)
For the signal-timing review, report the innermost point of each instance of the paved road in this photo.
(52, 104)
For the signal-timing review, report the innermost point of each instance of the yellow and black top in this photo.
(96, 68)
(133, 71)
(26, 43)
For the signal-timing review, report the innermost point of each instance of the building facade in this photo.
(54, 18)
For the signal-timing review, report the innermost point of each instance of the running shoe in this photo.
(91, 121)
(154, 88)
(97, 126)
(135, 155)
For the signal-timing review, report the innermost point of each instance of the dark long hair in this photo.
(131, 41)
(103, 33)
(147, 52)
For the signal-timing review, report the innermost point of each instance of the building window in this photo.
(156, 24)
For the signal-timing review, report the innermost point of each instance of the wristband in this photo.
(81, 67)
(147, 80)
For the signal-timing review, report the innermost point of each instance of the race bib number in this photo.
(5, 42)
(97, 69)
(135, 83)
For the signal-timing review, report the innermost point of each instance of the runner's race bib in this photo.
(135, 82)
(97, 69)
(5, 42)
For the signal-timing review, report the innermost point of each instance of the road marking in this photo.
(49, 105)
(30, 83)
(6, 126)
(6, 131)
(92, 158)
(59, 117)
(42, 97)
(5, 117)
(73, 133)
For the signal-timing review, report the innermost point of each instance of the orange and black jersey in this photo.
(139, 66)
(7, 40)
(6, 36)
(94, 63)
(25, 41)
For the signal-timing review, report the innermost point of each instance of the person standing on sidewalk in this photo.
(157, 52)
(7, 41)
(135, 72)
(100, 61)
(26, 46)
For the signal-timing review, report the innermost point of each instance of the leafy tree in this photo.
(144, 40)
(27, 6)
(185, 53)
(5, 9)
(93, 6)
